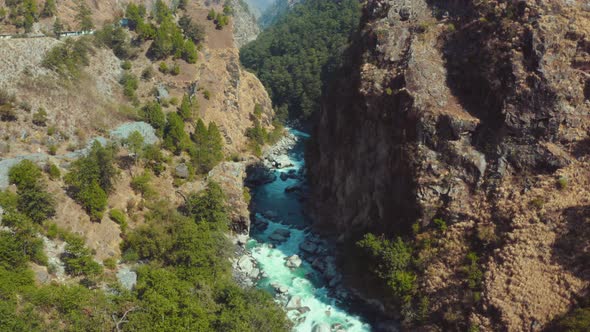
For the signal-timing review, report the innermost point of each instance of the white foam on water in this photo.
(271, 259)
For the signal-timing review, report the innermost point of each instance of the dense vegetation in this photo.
(296, 56)
(184, 276)
(92, 177)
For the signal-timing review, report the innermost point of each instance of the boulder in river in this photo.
(245, 264)
(322, 327)
(293, 262)
(303, 310)
(308, 247)
(294, 303)
(270, 214)
(284, 176)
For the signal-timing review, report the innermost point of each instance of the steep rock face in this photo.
(246, 28)
(469, 112)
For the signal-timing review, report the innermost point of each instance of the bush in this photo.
(147, 73)
(91, 178)
(53, 149)
(119, 217)
(7, 113)
(562, 183)
(130, 84)
(110, 263)
(78, 258)
(33, 200)
(440, 224)
(68, 58)
(40, 118)
(576, 321)
(126, 65)
(393, 262)
(473, 272)
(175, 70)
(141, 184)
(207, 94)
(163, 67)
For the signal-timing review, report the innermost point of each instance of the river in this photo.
(310, 292)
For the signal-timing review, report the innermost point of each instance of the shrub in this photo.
(118, 216)
(92, 177)
(40, 118)
(538, 203)
(440, 224)
(147, 73)
(141, 184)
(126, 65)
(393, 261)
(562, 183)
(175, 70)
(7, 113)
(473, 271)
(163, 67)
(576, 321)
(53, 149)
(129, 83)
(68, 58)
(110, 263)
(78, 258)
(207, 94)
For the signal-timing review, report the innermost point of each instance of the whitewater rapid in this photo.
(326, 312)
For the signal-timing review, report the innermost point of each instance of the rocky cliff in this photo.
(477, 114)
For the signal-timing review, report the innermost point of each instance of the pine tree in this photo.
(186, 108)
(49, 9)
(189, 53)
(175, 138)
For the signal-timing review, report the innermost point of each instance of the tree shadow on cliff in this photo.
(572, 248)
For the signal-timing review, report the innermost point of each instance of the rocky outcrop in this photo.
(246, 28)
(476, 113)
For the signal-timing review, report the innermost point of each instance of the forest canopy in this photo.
(296, 57)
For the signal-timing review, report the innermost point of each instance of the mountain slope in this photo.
(463, 128)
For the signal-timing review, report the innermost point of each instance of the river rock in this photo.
(322, 327)
(293, 188)
(303, 310)
(281, 161)
(319, 264)
(294, 303)
(308, 247)
(270, 214)
(284, 176)
(254, 274)
(281, 289)
(293, 262)
(245, 264)
(259, 174)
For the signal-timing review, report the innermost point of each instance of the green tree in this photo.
(84, 17)
(152, 114)
(33, 199)
(186, 109)
(135, 143)
(212, 15)
(175, 138)
(189, 53)
(49, 9)
(298, 55)
(78, 259)
(58, 27)
(92, 177)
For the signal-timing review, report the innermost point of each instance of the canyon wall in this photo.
(477, 114)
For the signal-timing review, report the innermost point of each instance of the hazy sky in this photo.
(259, 5)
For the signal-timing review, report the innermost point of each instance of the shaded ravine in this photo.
(310, 288)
